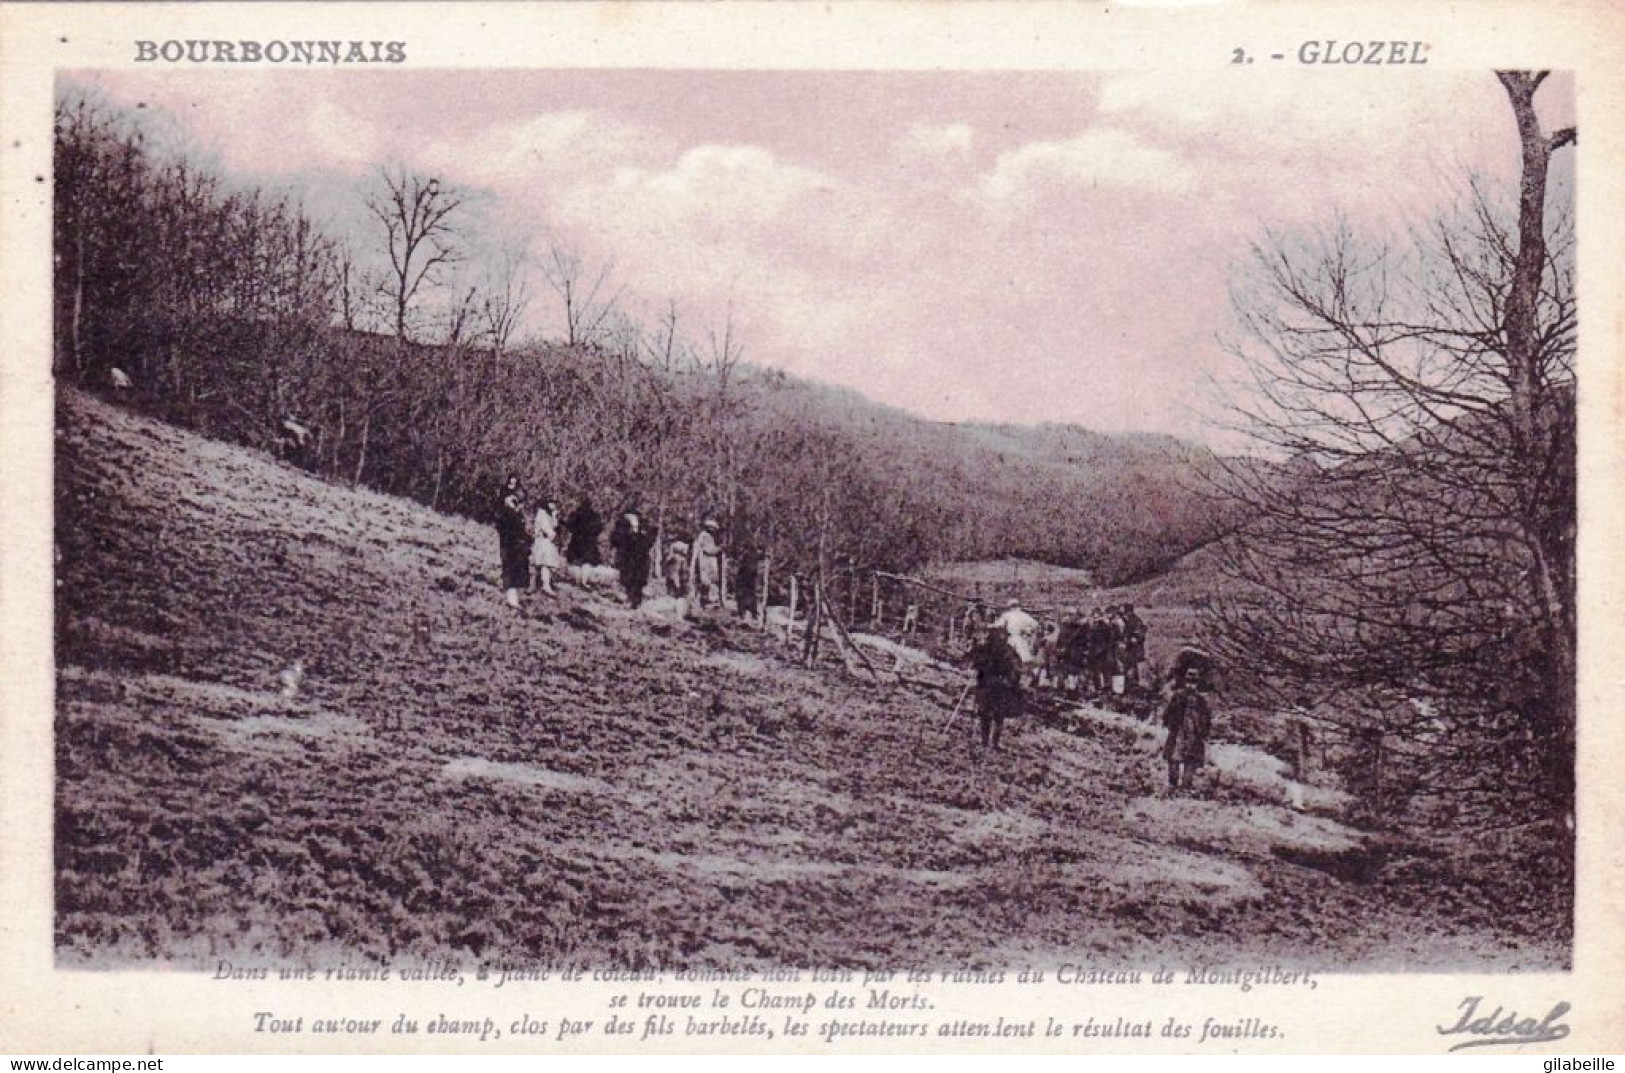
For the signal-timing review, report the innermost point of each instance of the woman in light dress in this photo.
(544, 549)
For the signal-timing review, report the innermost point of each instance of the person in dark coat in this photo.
(513, 540)
(998, 683)
(1189, 721)
(1132, 645)
(632, 541)
(1099, 659)
(1070, 652)
(747, 582)
(585, 528)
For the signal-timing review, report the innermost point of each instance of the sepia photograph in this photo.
(881, 528)
(716, 520)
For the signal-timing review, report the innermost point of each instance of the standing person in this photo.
(1189, 721)
(585, 527)
(1115, 663)
(1134, 634)
(1022, 629)
(1100, 652)
(632, 541)
(975, 621)
(511, 538)
(544, 548)
(1070, 650)
(998, 683)
(675, 569)
(747, 581)
(1049, 660)
(705, 568)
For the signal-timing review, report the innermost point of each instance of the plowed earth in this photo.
(586, 785)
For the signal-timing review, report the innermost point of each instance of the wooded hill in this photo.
(230, 311)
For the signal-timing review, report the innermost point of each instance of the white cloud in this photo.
(738, 183)
(342, 139)
(1392, 110)
(544, 146)
(933, 140)
(1098, 157)
(720, 219)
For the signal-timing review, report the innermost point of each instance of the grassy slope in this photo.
(585, 784)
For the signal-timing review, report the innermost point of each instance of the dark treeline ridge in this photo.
(230, 310)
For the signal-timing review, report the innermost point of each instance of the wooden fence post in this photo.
(761, 597)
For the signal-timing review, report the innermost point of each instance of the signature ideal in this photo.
(1499, 1029)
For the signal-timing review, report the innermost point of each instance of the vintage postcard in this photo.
(774, 527)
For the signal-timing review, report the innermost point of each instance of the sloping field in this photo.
(295, 721)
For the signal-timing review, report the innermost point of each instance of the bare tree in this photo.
(421, 239)
(725, 350)
(462, 317)
(1411, 565)
(506, 298)
(355, 292)
(586, 296)
(666, 350)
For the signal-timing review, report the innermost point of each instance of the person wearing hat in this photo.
(705, 566)
(1189, 720)
(544, 548)
(511, 541)
(998, 682)
(1022, 629)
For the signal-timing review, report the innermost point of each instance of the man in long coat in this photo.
(998, 682)
(632, 541)
(585, 528)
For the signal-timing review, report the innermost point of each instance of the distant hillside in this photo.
(1123, 507)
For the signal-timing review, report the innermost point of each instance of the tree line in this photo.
(1414, 582)
(231, 309)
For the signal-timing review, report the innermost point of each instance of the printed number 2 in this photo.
(1238, 56)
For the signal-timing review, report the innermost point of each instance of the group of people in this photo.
(690, 570)
(1094, 655)
(1100, 655)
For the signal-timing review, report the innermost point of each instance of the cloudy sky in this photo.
(1013, 247)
